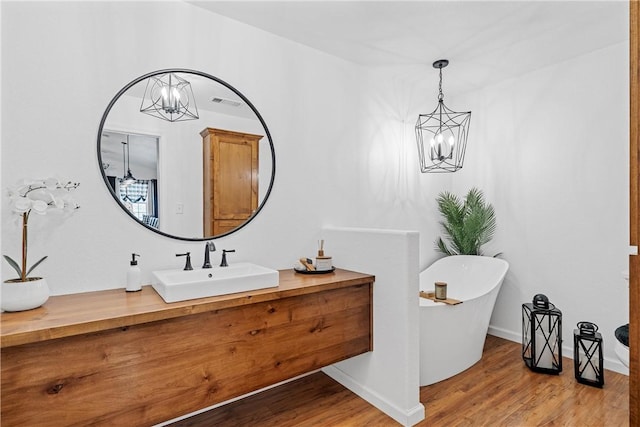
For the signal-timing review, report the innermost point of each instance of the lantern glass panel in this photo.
(588, 356)
(546, 343)
(542, 337)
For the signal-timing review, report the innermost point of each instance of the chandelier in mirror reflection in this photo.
(169, 97)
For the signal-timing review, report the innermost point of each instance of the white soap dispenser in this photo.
(133, 275)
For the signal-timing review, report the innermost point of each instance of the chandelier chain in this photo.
(440, 94)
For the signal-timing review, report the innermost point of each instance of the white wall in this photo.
(550, 150)
(392, 192)
(388, 376)
(64, 61)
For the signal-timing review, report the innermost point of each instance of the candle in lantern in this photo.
(441, 290)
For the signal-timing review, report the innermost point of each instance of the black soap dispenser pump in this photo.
(133, 275)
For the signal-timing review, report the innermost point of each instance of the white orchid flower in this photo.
(70, 204)
(21, 205)
(40, 207)
(51, 183)
(57, 202)
(42, 196)
(39, 196)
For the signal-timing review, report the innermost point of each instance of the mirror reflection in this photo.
(186, 155)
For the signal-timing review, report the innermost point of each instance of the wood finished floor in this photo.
(497, 391)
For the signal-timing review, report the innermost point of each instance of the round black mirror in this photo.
(186, 155)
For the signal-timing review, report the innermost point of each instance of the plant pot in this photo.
(21, 296)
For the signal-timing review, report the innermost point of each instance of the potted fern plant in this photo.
(467, 224)
(28, 197)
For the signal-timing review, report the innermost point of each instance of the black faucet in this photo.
(187, 265)
(208, 247)
(223, 263)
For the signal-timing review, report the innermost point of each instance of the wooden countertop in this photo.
(76, 314)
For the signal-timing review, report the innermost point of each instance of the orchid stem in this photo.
(25, 218)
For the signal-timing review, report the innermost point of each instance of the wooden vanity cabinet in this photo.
(230, 179)
(116, 358)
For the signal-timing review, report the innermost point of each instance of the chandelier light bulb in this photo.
(442, 147)
(170, 99)
(164, 93)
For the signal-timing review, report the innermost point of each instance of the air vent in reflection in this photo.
(224, 101)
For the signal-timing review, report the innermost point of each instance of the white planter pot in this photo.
(21, 296)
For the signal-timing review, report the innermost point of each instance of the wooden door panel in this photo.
(230, 179)
(236, 189)
(634, 223)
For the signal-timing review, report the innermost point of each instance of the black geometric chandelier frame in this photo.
(442, 135)
(169, 97)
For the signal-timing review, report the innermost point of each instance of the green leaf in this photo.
(442, 247)
(14, 264)
(36, 264)
(467, 224)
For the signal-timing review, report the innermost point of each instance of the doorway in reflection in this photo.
(130, 162)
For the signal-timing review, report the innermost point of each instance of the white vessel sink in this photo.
(181, 285)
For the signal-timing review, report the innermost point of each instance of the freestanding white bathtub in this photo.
(452, 336)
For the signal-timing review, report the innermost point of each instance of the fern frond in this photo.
(467, 224)
(442, 247)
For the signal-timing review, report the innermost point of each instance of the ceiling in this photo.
(496, 39)
(143, 152)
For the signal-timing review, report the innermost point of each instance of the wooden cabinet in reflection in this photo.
(230, 179)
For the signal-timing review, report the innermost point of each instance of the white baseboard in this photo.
(407, 417)
(616, 366)
(611, 364)
(505, 334)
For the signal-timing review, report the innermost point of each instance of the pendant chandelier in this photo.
(442, 134)
(169, 97)
(127, 178)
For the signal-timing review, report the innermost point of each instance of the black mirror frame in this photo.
(228, 86)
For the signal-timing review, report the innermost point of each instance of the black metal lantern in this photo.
(587, 354)
(442, 134)
(542, 336)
